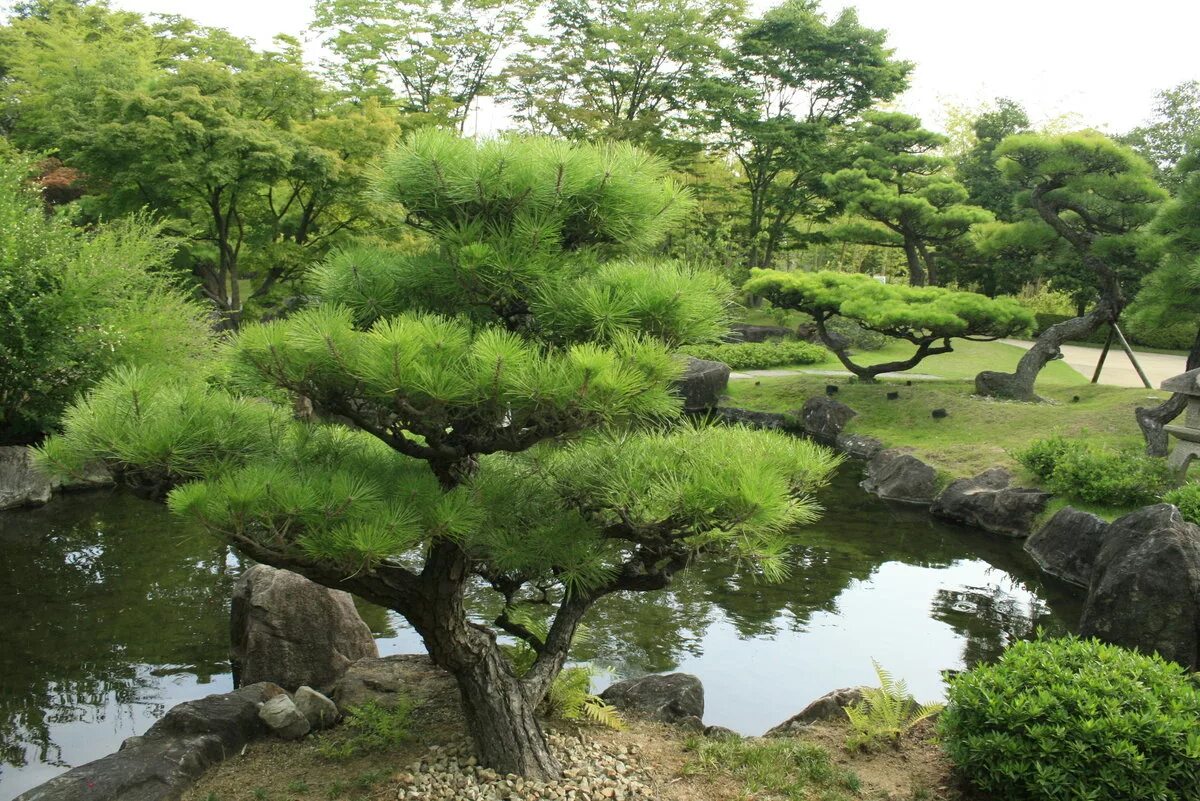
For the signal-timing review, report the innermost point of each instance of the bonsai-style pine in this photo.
(492, 409)
(1097, 197)
(928, 317)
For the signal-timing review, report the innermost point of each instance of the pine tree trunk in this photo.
(1153, 420)
(916, 272)
(1018, 385)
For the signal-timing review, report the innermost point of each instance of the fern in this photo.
(885, 712)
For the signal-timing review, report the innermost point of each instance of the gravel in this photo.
(591, 772)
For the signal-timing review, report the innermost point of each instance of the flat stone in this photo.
(988, 502)
(283, 718)
(387, 680)
(318, 710)
(1067, 546)
(830, 706)
(897, 476)
(771, 421)
(858, 446)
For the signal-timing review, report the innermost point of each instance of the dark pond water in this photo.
(112, 612)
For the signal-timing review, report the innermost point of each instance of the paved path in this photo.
(1118, 372)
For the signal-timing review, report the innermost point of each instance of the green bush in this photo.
(1187, 498)
(1075, 719)
(759, 355)
(1094, 474)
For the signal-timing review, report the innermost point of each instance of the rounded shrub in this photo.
(1076, 719)
(1187, 498)
(759, 355)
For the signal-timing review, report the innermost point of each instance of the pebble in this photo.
(590, 773)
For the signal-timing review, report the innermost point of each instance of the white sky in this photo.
(1101, 60)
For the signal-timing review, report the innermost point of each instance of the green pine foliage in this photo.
(1094, 474)
(760, 355)
(885, 713)
(1071, 718)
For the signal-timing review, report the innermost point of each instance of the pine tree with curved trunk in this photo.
(1097, 197)
(927, 317)
(493, 409)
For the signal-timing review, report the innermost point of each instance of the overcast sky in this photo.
(1101, 60)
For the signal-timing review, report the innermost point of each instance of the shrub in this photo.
(368, 729)
(885, 713)
(760, 355)
(1094, 474)
(1075, 719)
(1187, 498)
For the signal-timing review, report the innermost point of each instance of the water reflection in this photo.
(113, 612)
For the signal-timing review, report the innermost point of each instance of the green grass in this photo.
(978, 433)
(774, 768)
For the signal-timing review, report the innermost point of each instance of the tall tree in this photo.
(800, 77)
(641, 71)
(899, 194)
(1097, 197)
(977, 168)
(435, 57)
(458, 467)
(1163, 140)
(1171, 294)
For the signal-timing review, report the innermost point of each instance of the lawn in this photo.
(977, 433)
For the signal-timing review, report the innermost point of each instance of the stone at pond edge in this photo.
(319, 711)
(171, 755)
(830, 706)
(897, 476)
(859, 446)
(22, 484)
(988, 502)
(387, 680)
(292, 631)
(667, 698)
(1066, 547)
(824, 418)
(702, 384)
(1145, 587)
(770, 421)
(283, 718)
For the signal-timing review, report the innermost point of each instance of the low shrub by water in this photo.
(1093, 474)
(760, 355)
(1076, 719)
(1187, 498)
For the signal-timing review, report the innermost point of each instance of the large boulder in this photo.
(988, 502)
(172, 754)
(897, 476)
(824, 418)
(292, 631)
(831, 706)
(1067, 546)
(387, 680)
(667, 698)
(1145, 586)
(702, 384)
(21, 484)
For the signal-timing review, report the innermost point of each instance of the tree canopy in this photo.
(927, 317)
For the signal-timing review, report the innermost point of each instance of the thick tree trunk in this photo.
(916, 272)
(867, 374)
(1018, 385)
(1152, 420)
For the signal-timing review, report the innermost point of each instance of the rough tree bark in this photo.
(867, 374)
(916, 271)
(1152, 420)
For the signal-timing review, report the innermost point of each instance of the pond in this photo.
(113, 612)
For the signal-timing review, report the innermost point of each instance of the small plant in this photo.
(1096, 475)
(773, 768)
(336, 790)
(885, 713)
(760, 355)
(260, 793)
(298, 786)
(369, 728)
(1076, 719)
(1187, 498)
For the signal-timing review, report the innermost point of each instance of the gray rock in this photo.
(988, 502)
(319, 711)
(897, 476)
(667, 698)
(385, 681)
(283, 718)
(742, 332)
(830, 706)
(771, 421)
(292, 631)
(1067, 546)
(21, 483)
(172, 754)
(1145, 587)
(720, 732)
(702, 384)
(858, 446)
(824, 418)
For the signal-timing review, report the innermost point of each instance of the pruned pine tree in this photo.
(496, 408)
(1097, 197)
(927, 317)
